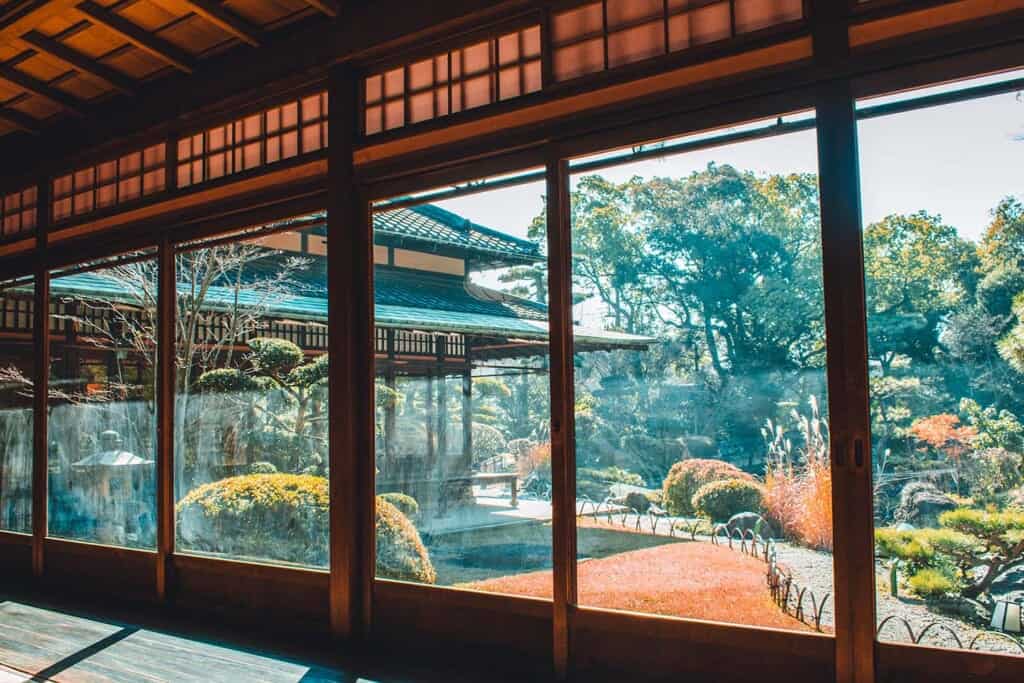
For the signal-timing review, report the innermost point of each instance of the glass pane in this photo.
(944, 263)
(16, 368)
(102, 408)
(250, 433)
(700, 386)
(462, 449)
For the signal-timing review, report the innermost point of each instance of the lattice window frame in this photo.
(450, 82)
(19, 213)
(285, 131)
(127, 178)
(605, 35)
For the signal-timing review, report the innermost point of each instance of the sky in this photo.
(955, 160)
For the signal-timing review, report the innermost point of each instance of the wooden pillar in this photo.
(40, 382)
(846, 332)
(390, 418)
(467, 420)
(563, 447)
(351, 386)
(442, 421)
(849, 416)
(428, 417)
(165, 383)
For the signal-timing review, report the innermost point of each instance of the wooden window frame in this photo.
(231, 141)
(607, 31)
(358, 605)
(87, 183)
(454, 81)
(19, 214)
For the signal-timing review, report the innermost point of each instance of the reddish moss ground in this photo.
(695, 580)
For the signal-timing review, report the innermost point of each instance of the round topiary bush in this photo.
(268, 516)
(284, 517)
(720, 500)
(401, 554)
(687, 476)
(407, 505)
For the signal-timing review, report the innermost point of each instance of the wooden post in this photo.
(849, 416)
(351, 385)
(467, 419)
(428, 416)
(166, 383)
(390, 417)
(563, 446)
(846, 331)
(442, 420)
(40, 382)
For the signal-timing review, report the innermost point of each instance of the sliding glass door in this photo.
(943, 203)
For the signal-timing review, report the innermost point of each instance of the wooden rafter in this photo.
(79, 61)
(219, 15)
(328, 7)
(20, 119)
(40, 88)
(140, 38)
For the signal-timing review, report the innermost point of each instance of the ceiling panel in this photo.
(58, 44)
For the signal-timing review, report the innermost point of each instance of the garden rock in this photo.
(745, 521)
(921, 504)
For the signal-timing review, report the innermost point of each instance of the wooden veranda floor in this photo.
(41, 641)
(40, 644)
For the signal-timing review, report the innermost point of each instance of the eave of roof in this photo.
(500, 315)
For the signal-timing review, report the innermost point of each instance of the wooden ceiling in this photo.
(58, 58)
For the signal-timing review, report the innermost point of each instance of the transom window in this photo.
(131, 176)
(283, 132)
(485, 72)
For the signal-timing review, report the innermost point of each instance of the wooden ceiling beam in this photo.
(79, 61)
(328, 7)
(137, 36)
(222, 17)
(37, 87)
(20, 120)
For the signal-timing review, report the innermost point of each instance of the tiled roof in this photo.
(403, 300)
(435, 230)
(429, 224)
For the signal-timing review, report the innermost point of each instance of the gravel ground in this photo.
(813, 569)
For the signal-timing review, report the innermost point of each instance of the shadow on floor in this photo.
(42, 639)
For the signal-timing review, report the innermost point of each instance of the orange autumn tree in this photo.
(944, 434)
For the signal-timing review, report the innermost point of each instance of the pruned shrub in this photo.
(224, 380)
(262, 468)
(972, 547)
(687, 476)
(284, 517)
(407, 505)
(720, 500)
(401, 554)
(635, 500)
(279, 517)
(274, 357)
(931, 583)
